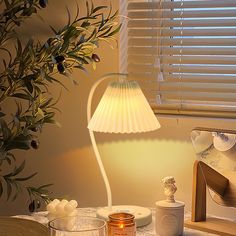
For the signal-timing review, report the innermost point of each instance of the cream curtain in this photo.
(183, 53)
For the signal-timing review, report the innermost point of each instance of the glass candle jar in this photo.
(121, 224)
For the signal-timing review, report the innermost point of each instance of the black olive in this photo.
(50, 67)
(95, 57)
(59, 59)
(34, 129)
(32, 206)
(43, 3)
(49, 41)
(61, 68)
(34, 144)
(26, 12)
(8, 18)
(38, 204)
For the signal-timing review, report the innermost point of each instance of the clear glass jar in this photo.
(121, 224)
(77, 226)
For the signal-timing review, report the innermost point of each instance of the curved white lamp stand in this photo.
(94, 144)
(108, 118)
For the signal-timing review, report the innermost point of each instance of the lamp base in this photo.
(143, 216)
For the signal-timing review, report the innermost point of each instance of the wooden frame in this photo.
(204, 176)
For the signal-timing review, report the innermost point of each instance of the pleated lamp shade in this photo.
(123, 109)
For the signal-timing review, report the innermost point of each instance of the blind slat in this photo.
(199, 96)
(184, 51)
(199, 60)
(165, 41)
(200, 69)
(184, 32)
(191, 87)
(223, 60)
(200, 78)
(227, 109)
(184, 69)
(151, 79)
(177, 14)
(179, 23)
(177, 5)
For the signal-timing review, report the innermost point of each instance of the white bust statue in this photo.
(169, 188)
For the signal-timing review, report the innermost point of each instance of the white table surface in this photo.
(148, 230)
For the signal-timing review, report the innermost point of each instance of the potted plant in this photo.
(25, 77)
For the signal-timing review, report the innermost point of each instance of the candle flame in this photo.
(121, 226)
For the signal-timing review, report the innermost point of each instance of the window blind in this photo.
(183, 53)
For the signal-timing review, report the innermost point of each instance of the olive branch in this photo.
(27, 74)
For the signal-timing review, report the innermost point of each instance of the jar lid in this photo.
(167, 204)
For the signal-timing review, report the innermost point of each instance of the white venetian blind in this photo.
(183, 53)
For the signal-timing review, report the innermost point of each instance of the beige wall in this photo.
(135, 163)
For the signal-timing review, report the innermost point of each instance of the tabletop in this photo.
(148, 230)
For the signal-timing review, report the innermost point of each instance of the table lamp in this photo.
(122, 109)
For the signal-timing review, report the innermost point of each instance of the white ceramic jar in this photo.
(169, 218)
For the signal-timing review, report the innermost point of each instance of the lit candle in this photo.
(121, 224)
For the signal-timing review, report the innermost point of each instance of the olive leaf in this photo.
(9, 189)
(6, 132)
(21, 95)
(2, 114)
(1, 189)
(16, 171)
(98, 8)
(20, 141)
(26, 178)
